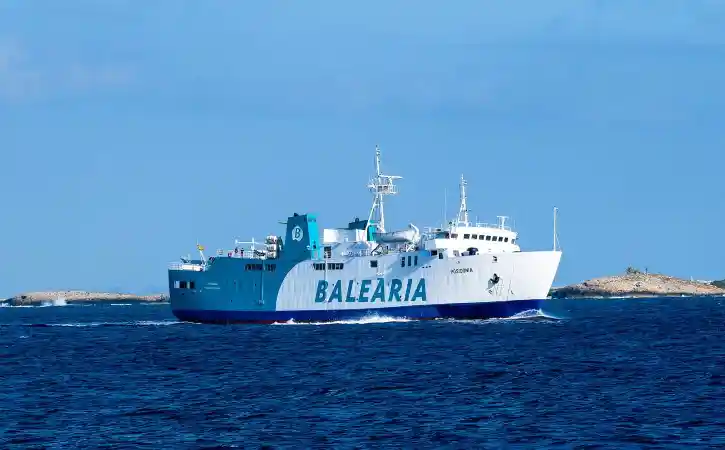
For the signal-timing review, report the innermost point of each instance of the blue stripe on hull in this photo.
(482, 310)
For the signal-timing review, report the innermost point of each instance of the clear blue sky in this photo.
(128, 130)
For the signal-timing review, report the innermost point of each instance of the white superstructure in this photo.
(462, 237)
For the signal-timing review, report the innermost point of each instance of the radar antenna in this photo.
(381, 185)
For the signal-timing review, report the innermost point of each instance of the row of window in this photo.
(480, 237)
(184, 284)
(412, 261)
(259, 267)
(330, 266)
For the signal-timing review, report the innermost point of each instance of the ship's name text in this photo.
(406, 290)
(462, 270)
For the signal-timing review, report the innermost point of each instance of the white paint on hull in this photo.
(522, 276)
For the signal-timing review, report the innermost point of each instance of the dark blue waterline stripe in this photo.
(480, 310)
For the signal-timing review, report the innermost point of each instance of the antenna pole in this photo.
(463, 210)
(445, 205)
(555, 210)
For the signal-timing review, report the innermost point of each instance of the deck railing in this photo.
(186, 266)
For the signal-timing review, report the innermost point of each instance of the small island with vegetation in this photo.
(635, 283)
(64, 297)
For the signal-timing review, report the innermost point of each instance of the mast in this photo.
(462, 218)
(555, 211)
(200, 248)
(381, 185)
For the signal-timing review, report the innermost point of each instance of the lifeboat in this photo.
(411, 234)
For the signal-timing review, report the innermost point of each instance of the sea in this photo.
(580, 373)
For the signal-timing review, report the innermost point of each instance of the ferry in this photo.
(461, 270)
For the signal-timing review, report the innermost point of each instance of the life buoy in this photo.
(495, 279)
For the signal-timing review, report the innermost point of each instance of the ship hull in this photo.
(460, 311)
(415, 285)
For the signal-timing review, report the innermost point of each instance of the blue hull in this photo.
(486, 310)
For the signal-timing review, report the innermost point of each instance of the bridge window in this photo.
(334, 266)
(409, 258)
(454, 235)
(415, 260)
(481, 237)
(506, 239)
(191, 285)
(440, 255)
(402, 261)
(328, 252)
(474, 236)
(433, 252)
(182, 284)
(253, 267)
(500, 238)
(271, 267)
(374, 263)
(466, 236)
(318, 266)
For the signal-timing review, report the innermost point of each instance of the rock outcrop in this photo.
(60, 297)
(637, 285)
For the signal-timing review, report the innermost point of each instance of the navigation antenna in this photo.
(462, 219)
(556, 235)
(381, 185)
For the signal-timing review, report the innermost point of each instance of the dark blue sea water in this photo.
(601, 374)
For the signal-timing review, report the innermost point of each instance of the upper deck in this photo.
(483, 238)
(368, 237)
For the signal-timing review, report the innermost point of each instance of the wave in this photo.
(372, 319)
(47, 304)
(533, 315)
(136, 323)
(60, 301)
